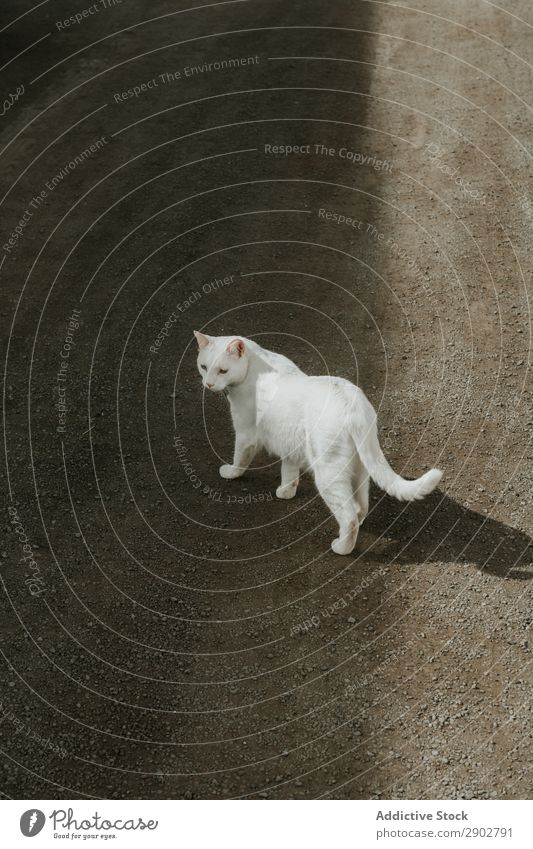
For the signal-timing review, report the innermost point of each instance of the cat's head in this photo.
(222, 361)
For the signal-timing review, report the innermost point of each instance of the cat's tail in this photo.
(376, 464)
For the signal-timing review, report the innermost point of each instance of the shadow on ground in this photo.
(440, 529)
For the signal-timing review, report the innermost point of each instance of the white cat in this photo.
(322, 424)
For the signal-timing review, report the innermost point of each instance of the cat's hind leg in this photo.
(360, 487)
(334, 482)
(290, 478)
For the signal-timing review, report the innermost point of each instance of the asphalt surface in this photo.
(347, 183)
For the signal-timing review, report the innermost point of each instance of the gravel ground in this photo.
(173, 635)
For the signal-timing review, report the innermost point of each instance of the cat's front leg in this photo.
(244, 453)
(290, 478)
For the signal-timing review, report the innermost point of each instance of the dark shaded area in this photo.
(439, 529)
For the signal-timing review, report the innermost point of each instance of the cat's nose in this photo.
(209, 385)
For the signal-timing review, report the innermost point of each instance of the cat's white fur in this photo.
(321, 424)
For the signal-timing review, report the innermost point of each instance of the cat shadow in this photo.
(439, 529)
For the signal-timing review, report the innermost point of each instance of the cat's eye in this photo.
(222, 371)
(204, 368)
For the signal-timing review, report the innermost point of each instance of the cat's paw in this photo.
(288, 491)
(345, 544)
(342, 546)
(230, 472)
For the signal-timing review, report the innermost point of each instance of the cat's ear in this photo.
(202, 339)
(236, 348)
